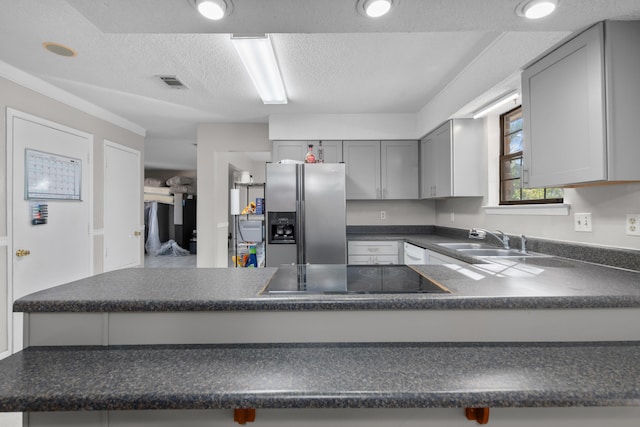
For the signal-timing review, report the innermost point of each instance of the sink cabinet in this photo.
(451, 162)
(580, 105)
(417, 255)
(382, 169)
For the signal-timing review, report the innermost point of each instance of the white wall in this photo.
(397, 212)
(219, 146)
(342, 126)
(608, 205)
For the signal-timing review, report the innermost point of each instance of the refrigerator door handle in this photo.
(300, 225)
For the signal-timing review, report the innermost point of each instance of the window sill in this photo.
(559, 209)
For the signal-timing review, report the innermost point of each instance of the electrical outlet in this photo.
(582, 222)
(383, 215)
(633, 225)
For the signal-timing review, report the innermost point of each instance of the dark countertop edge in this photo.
(221, 400)
(324, 303)
(525, 397)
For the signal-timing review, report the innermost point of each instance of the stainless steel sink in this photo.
(495, 252)
(483, 250)
(460, 246)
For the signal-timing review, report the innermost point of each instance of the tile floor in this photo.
(169, 261)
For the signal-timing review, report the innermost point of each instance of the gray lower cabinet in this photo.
(580, 106)
(382, 169)
(451, 160)
(297, 150)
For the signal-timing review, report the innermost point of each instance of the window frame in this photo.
(504, 158)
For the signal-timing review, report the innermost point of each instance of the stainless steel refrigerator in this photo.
(306, 214)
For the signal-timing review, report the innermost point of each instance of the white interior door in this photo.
(60, 250)
(123, 232)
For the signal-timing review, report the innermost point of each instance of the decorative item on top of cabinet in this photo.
(382, 169)
(451, 160)
(580, 105)
(373, 252)
(296, 150)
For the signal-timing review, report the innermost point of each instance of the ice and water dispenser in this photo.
(282, 228)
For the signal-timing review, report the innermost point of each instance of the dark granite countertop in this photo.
(527, 283)
(418, 375)
(504, 284)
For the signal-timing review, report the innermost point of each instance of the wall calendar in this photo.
(50, 176)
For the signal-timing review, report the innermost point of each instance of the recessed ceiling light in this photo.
(213, 9)
(536, 9)
(59, 49)
(374, 8)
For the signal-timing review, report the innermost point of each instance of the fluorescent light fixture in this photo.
(256, 53)
(496, 104)
(536, 9)
(374, 8)
(213, 9)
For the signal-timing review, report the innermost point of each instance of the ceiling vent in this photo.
(173, 82)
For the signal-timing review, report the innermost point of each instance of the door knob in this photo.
(22, 252)
(137, 233)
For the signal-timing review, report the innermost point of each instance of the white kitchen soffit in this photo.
(258, 57)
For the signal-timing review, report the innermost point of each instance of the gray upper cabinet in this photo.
(332, 151)
(294, 150)
(451, 160)
(580, 105)
(297, 150)
(362, 160)
(400, 169)
(381, 169)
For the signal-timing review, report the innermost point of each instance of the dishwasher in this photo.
(414, 254)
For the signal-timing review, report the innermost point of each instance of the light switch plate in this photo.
(632, 225)
(582, 222)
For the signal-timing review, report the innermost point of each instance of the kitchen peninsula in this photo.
(542, 333)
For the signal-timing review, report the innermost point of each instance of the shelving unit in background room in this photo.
(252, 191)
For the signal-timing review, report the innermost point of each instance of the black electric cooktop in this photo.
(350, 279)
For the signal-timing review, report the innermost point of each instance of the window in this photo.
(511, 191)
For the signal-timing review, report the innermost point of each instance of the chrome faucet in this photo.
(523, 244)
(481, 233)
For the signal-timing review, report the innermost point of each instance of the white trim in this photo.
(559, 209)
(44, 88)
(4, 242)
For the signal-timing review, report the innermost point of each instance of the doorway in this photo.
(123, 232)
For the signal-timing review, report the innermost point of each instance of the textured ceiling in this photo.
(459, 53)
